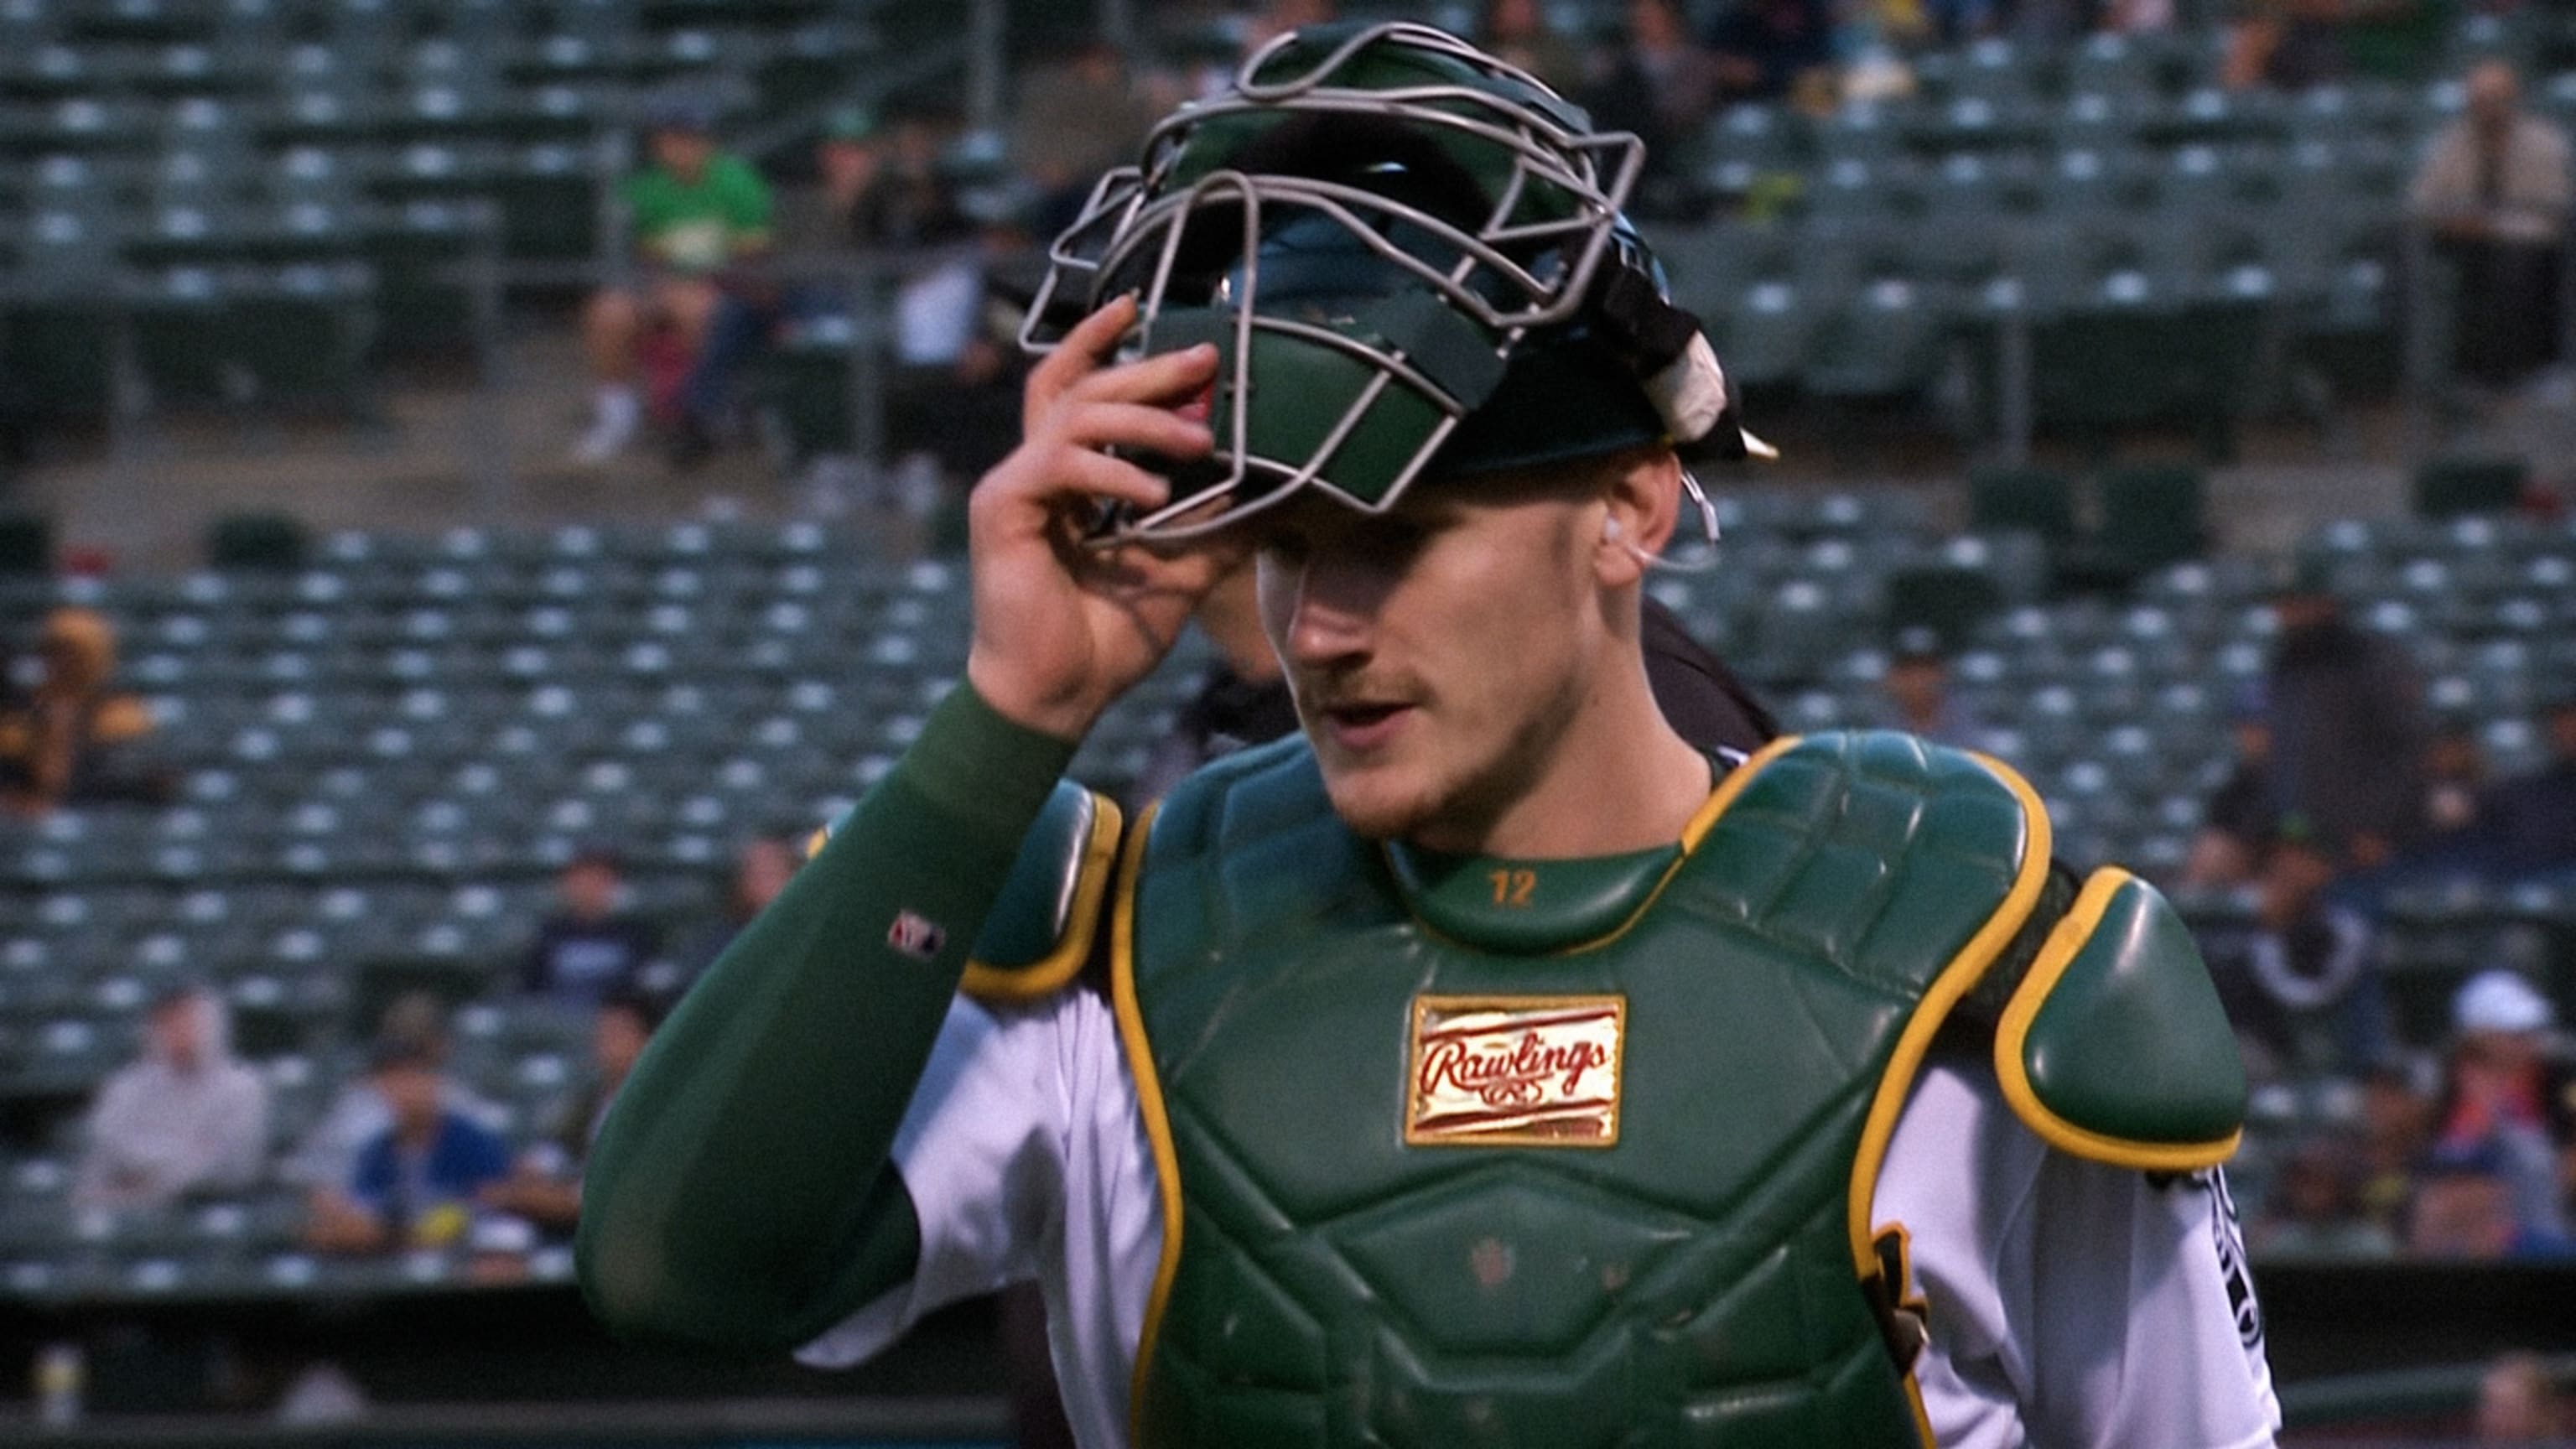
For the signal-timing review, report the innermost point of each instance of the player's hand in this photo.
(1063, 628)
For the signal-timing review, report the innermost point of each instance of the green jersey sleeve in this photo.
(740, 1191)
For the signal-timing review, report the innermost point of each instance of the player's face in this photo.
(1437, 653)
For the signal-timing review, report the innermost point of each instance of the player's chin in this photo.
(1379, 799)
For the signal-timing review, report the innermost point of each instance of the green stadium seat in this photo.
(2458, 486)
(1884, 343)
(2089, 181)
(1949, 601)
(2152, 515)
(2035, 501)
(264, 540)
(1765, 334)
(26, 543)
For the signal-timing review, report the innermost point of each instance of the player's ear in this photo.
(1641, 501)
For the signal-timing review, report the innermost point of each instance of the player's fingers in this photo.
(1134, 425)
(1083, 473)
(1165, 377)
(1082, 351)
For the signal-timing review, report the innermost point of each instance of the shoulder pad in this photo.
(2113, 1045)
(1042, 925)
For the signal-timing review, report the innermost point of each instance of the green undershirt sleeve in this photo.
(740, 1190)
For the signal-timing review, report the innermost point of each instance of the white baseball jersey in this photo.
(1025, 1155)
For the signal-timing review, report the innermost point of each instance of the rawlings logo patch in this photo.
(1515, 1071)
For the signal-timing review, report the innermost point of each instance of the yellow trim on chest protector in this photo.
(1149, 1105)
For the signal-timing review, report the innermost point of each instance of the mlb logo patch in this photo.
(916, 935)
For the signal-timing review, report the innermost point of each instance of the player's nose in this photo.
(1332, 608)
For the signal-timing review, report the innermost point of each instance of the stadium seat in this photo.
(1950, 601)
(2152, 515)
(2452, 487)
(2035, 501)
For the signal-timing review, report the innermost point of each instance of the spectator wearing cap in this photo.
(2505, 1093)
(1917, 690)
(850, 165)
(698, 214)
(590, 946)
(328, 1152)
(416, 1182)
(2302, 984)
(2347, 747)
(2242, 813)
(72, 740)
(184, 1119)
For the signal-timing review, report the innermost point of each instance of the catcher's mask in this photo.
(1411, 259)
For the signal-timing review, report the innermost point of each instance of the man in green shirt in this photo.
(696, 212)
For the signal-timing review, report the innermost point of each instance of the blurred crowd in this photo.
(727, 264)
(2343, 800)
(406, 1154)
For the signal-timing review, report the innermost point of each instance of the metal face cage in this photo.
(1468, 198)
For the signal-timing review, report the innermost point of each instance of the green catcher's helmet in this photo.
(1411, 259)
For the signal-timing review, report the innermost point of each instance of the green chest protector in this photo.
(1477, 1152)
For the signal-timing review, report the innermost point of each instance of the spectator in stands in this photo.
(1917, 690)
(544, 1187)
(2303, 984)
(2518, 1403)
(185, 1119)
(1076, 118)
(328, 1153)
(2396, 1126)
(1659, 83)
(416, 1182)
(908, 202)
(2504, 1094)
(1277, 17)
(2284, 44)
(1518, 32)
(2347, 750)
(2496, 190)
(2242, 813)
(760, 871)
(699, 213)
(2455, 779)
(70, 739)
(1766, 50)
(591, 946)
(2529, 824)
(955, 392)
(2315, 1209)
(2465, 1208)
